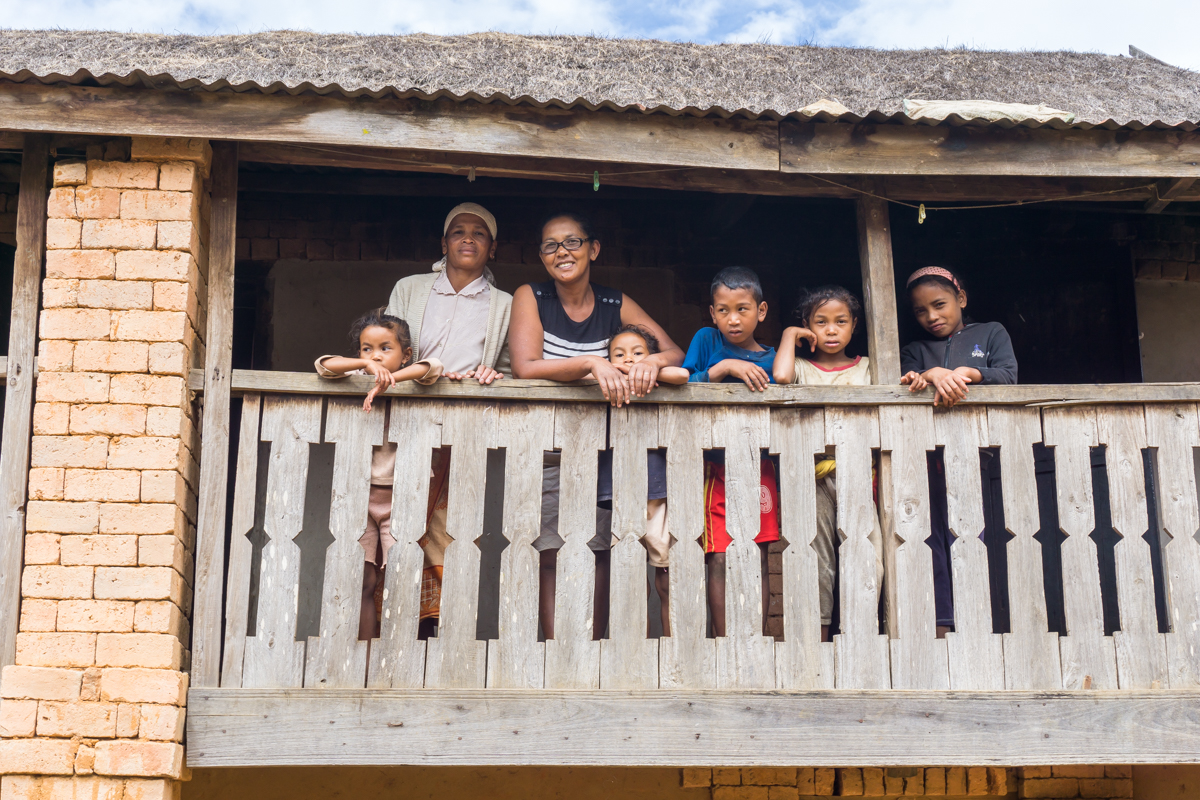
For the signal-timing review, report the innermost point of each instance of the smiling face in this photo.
(380, 345)
(833, 324)
(736, 315)
(939, 310)
(563, 265)
(468, 243)
(627, 348)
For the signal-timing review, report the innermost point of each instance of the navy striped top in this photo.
(563, 337)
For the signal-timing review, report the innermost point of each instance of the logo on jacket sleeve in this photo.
(977, 353)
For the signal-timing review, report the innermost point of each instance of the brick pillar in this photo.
(97, 695)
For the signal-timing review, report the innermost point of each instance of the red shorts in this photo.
(716, 538)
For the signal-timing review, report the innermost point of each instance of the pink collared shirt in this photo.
(455, 324)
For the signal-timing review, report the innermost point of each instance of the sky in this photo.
(1164, 28)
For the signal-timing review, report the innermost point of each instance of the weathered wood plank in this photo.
(861, 652)
(214, 447)
(241, 549)
(572, 658)
(398, 656)
(879, 286)
(870, 149)
(455, 658)
(517, 660)
(689, 728)
(919, 660)
(1085, 651)
(976, 654)
(273, 658)
(1165, 191)
(20, 377)
(687, 658)
(802, 660)
(745, 658)
(1173, 431)
(336, 658)
(1031, 655)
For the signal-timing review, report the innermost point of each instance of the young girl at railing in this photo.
(959, 352)
(828, 316)
(384, 351)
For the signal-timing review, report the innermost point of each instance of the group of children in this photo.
(956, 354)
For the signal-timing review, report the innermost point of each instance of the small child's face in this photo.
(833, 325)
(627, 348)
(380, 345)
(736, 315)
(939, 310)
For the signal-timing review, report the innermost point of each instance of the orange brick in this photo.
(57, 516)
(156, 390)
(155, 265)
(151, 650)
(138, 758)
(161, 686)
(18, 718)
(153, 789)
(159, 616)
(40, 683)
(60, 203)
(55, 355)
(783, 793)
(149, 326)
(997, 780)
(935, 781)
(138, 518)
(175, 296)
(70, 451)
(158, 205)
(75, 323)
(1078, 771)
(103, 484)
(28, 787)
(129, 720)
(85, 759)
(89, 689)
(119, 234)
(727, 776)
(740, 793)
(51, 419)
(138, 583)
(1118, 771)
(145, 452)
(60, 293)
(93, 720)
(94, 203)
(70, 173)
(168, 358)
(163, 551)
(872, 782)
(179, 176)
(1106, 787)
(171, 148)
(76, 387)
(1050, 787)
(695, 777)
(115, 294)
(103, 551)
(1037, 772)
(179, 236)
(95, 616)
(41, 548)
(56, 649)
(769, 776)
(62, 234)
(116, 419)
(163, 486)
(111, 356)
(93, 264)
(167, 421)
(39, 615)
(37, 756)
(123, 174)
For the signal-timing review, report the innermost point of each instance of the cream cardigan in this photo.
(408, 303)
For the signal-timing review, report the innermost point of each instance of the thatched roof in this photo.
(665, 77)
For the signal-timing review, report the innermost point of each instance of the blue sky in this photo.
(1164, 28)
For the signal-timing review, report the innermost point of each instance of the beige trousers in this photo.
(828, 538)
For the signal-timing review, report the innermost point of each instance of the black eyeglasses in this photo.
(571, 243)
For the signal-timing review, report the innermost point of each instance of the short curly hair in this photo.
(649, 338)
(379, 318)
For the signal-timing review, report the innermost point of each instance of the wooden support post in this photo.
(879, 286)
(18, 406)
(1165, 191)
(214, 451)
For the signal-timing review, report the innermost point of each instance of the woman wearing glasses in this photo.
(560, 331)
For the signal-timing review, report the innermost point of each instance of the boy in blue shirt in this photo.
(728, 354)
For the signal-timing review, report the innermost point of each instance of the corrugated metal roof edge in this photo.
(167, 81)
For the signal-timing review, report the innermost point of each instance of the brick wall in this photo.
(97, 694)
(1166, 248)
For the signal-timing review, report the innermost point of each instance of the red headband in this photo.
(941, 273)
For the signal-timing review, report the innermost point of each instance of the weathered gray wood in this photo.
(20, 376)
(802, 660)
(879, 286)
(455, 659)
(976, 654)
(628, 658)
(745, 658)
(241, 549)
(517, 660)
(1173, 431)
(214, 446)
(861, 652)
(687, 658)
(919, 660)
(274, 659)
(1031, 656)
(1141, 649)
(336, 658)
(572, 658)
(398, 656)
(1086, 652)
(692, 728)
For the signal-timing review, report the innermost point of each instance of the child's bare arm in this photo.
(674, 375)
(340, 365)
(784, 367)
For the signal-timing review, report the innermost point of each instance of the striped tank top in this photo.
(563, 337)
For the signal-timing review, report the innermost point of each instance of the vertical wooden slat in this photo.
(1141, 649)
(214, 445)
(1172, 429)
(1031, 658)
(976, 654)
(687, 658)
(455, 658)
(628, 659)
(802, 660)
(398, 656)
(336, 658)
(860, 651)
(517, 660)
(274, 659)
(572, 658)
(879, 286)
(241, 549)
(745, 658)
(919, 659)
(1086, 652)
(18, 405)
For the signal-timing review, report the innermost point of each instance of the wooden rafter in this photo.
(1167, 190)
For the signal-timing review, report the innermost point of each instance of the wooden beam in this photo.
(879, 286)
(381, 727)
(20, 377)
(601, 136)
(11, 140)
(812, 147)
(1167, 190)
(214, 451)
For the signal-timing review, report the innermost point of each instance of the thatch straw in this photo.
(754, 78)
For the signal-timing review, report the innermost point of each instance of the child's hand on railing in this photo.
(752, 375)
(951, 386)
(915, 381)
(483, 373)
(614, 384)
(384, 380)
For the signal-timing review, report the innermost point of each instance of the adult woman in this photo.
(560, 331)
